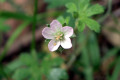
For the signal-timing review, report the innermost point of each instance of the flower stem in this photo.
(76, 52)
(34, 24)
(33, 53)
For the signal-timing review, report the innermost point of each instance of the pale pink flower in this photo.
(59, 35)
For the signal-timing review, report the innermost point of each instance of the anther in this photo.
(54, 44)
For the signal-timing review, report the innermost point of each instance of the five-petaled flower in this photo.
(59, 35)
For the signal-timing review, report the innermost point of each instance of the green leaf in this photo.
(71, 7)
(57, 61)
(21, 74)
(82, 6)
(81, 26)
(36, 73)
(19, 16)
(48, 63)
(4, 28)
(92, 24)
(116, 71)
(63, 20)
(60, 50)
(86, 63)
(58, 74)
(57, 3)
(95, 9)
(94, 51)
(67, 20)
(27, 59)
(1, 1)
(84, 1)
(13, 66)
(81, 39)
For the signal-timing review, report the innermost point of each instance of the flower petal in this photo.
(55, 25)
(68, 31)
(53, 45)
(47, 33)
(66, 44)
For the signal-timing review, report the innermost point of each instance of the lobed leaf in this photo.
(95, 9)
(92, 24)
(11, 67)
(82, 5)
(27, 59)
(63, 20)
(81, 26)
(21, 74)
(71, 7)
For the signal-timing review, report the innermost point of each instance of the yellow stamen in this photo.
(58, 37)
(54, 44)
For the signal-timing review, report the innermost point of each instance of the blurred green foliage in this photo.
(85, 59)
(26, 67)
(3, 26)
(2, 1)
(57, 3)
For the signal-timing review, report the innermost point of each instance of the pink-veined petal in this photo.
(56, 25)
(68, 31)
(47, 33)
(66, 44)
(53, 45)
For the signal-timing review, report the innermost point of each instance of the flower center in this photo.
(55, 44)
(59, 36)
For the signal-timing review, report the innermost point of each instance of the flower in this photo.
(59, 35)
